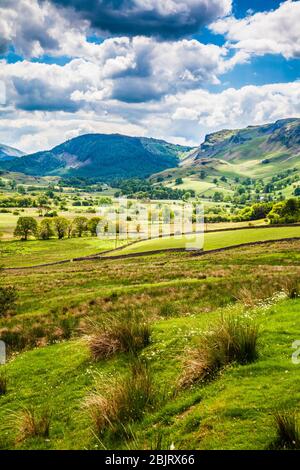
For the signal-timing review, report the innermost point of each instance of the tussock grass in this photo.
(168, 310)
(292, 288)
(31, 424)
(3, 383)
(123, 401)
(233, 339)
(287, 431)
(267, 288)
(128, 333)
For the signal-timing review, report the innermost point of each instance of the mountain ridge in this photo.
(9, 153)
(255, 151)
(106, 156)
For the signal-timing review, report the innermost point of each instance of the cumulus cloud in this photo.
(273, 32)
(126, 69)
(35, 28)
(168, 18)
(182, 118)
(234, 108)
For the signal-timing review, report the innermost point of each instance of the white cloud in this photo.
(272, 32)
(135, 69)
(35, 29)
(182, 118)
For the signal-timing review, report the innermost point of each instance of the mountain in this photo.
(103, 156)
(9, 153)
(229, 156)
(257, 151)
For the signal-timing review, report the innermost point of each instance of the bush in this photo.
(123, 333)
(123, 401)
(287, 430)
(232, 340)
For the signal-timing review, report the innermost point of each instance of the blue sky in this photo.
(175, 70)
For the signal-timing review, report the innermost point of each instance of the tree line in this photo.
(58, 227)
(283, 212)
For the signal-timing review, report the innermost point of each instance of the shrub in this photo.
(29, 424)
(122, 333)
(232, 340)
(287, 430)
(123, 401)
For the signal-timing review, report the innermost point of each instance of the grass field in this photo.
(216, 240)
(33, 252)
(181, 296)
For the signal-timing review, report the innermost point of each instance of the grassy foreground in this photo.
(181, 296)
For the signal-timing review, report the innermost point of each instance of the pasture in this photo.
(181, 295)
(216, 240)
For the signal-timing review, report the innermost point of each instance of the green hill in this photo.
(103, 156)
(257, 152)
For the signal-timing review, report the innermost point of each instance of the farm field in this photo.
(54, 304)
(33, 252)
(20, 254)
(216, 240)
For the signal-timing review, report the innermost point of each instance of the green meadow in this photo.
(50, 368)
(216, 240)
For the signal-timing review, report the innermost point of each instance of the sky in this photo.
(174, 69)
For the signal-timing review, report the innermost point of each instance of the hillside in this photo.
(256, 152)
(9, 153)
(103, 156)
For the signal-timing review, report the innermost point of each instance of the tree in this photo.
(80, 225)
(297, 191)
(26, 226)
(93, 224)
(285, 212)
(179, 181)
(218, 196)
(46, 229)
(60, 226)
(21, 189)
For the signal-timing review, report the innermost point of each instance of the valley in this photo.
(131, 339)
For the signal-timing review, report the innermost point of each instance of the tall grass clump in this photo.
(233, 339)
(30, 424)
(129, 332)
(292, 288)
(122, 401)
(3, 383)
(287, 431)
